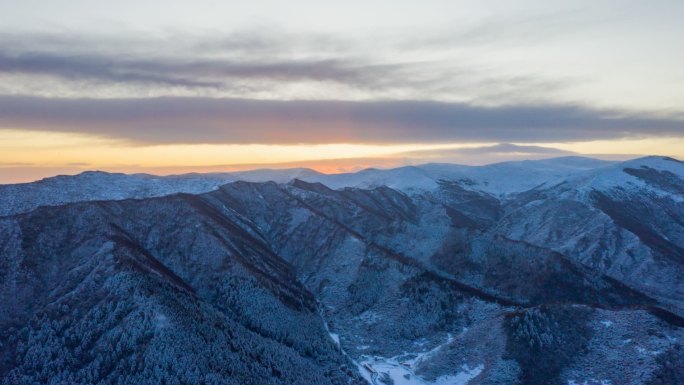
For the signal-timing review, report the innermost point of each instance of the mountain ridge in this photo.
(98, 185)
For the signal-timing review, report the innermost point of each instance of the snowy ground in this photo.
(399, 369)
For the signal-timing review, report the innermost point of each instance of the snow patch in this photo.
(590, 382)
(461, 378)
(402, 373)
(400, 369)
(335, 337)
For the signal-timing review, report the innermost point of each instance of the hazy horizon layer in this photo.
(309, 167)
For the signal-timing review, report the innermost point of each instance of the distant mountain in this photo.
(501, 178)
(562, 271)
(98, 185)
(497, 179)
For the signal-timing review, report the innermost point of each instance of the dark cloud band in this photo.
(208, 120)
(188, 73)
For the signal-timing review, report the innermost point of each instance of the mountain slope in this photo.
(96, 293)
(626, 220)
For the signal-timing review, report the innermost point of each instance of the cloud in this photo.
(90, 67)
(15, 164)
(247, 42)
(194, 120)
(507, 30)
(93, 74)
(191, 61)
(252, 64)
(199, 73)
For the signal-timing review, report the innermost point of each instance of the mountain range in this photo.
(557, 271)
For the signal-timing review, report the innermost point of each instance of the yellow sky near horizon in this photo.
(52, 149)
(31, 155)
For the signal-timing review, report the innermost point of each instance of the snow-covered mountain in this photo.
(98, 185)
(497, 179)
(624, 219)
(562, 271)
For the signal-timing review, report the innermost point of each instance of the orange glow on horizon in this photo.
(30, 155)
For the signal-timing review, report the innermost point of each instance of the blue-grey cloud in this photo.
(208, 120)
(83, 67)
(197, 73)
(241, 63)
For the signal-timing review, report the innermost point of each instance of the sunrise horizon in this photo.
(24, 172)
(125, 87)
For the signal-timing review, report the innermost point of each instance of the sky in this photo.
(170, 86)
